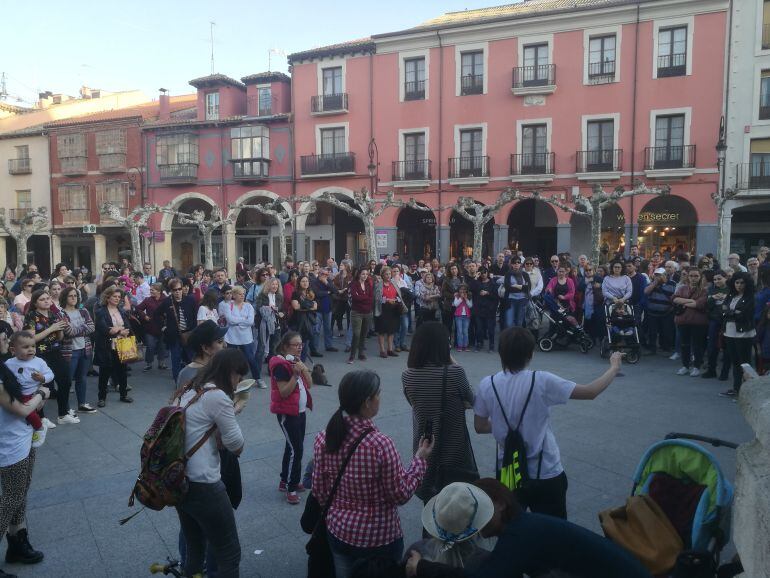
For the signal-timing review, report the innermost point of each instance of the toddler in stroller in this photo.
(563, 327)
(622, 334)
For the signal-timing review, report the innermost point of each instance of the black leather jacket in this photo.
(742, 315)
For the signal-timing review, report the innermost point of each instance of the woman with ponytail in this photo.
(362, 520)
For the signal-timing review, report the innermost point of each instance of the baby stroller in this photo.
(563, 328)
(621, 332)
(688, 484)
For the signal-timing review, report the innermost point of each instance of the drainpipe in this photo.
(633, 123)
(440, 137)
(725, 107)
(292, 152)
(222, 234)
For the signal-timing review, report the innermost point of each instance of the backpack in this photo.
(162, 480)
(514, 473)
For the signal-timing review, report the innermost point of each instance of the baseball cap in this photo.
(205, 333)
(659, 271)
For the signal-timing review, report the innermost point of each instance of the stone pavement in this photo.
(84, 473)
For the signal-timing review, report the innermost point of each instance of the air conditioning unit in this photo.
(89, 228)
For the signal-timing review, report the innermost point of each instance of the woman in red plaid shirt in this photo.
(363, 518)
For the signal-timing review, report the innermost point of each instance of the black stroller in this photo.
(563, 328)
(622, 334)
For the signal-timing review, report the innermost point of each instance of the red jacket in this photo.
(362, 300)
(285, 405)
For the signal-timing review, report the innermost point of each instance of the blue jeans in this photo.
(461, 325)
(399, 339)
(155, 346)
(178, 359)
(79, 363)
(485, 329)
(346, 555)
(272, 341)
(324, 323)
(514, 315)
(250, 353)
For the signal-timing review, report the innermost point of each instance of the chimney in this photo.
(164, 107)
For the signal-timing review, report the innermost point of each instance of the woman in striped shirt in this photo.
(363, 517)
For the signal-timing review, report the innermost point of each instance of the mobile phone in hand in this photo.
(749, 371)
(428, 433)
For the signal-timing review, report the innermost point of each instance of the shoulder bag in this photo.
(320, 563)
(514, 473)
(446, 474)
(183, 337)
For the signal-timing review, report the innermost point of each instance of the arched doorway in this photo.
(188, 243)
(667, 224)
(332, 232)
(613, 232)
(749, 229)
(532, 228)
(416, 235)
(254, 231)
(461, 237)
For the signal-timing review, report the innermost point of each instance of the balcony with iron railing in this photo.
(672, 65)
(18, 215)
(19, 166)
(329, 103)
(601, 72)
(473, 168)
(414, 90)
(328, 164)
(669, 157)
(753, 176)
(526, 167)
(411, 171)
(540, 79)
(73, 166)
(472, 84)
(250, 170)
(602, 162)
(258, 107)
(178, 173)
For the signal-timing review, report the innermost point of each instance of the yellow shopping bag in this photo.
(126, 348)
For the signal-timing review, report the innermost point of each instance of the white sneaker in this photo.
(674, 357)
(695, 372)
(38, 436)
(261, 384)
(72, 412)
(68, 419)
(683, 371)
(48, 423)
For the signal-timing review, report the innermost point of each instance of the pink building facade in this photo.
(530, 96)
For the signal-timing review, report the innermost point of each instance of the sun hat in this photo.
(457, 513)
(659, 271)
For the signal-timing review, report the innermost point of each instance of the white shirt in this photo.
(204, 314)
(15, 438)
(536, 430)
(142, 292)
(731, 330)
(214, 407)
(239, 323)
(28, 385)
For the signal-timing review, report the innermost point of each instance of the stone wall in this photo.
(751, 514)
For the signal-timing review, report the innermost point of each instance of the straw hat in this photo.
(457, 513)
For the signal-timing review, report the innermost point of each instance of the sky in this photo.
(151, 44)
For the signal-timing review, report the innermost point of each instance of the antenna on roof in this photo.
(211, 35)
(3, 88)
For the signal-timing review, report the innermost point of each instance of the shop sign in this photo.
(382, 240)
(656, 218)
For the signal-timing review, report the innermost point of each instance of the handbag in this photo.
(320, 563)
(126, 348)
(642, 528)
(183, 337)
(444, 474)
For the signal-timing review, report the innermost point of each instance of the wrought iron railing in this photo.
(533, 163)
(755, 175)
(530, 76)
(415, 170)
(329, 102)
(672, 65)
(670, 157)
(598, 161)
(19, 166)
(326, 164)
(472, 84)
(467, 167)
(178, 172)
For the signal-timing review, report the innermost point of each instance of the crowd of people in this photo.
(273, 323)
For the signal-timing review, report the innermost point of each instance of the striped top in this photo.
(422, 389)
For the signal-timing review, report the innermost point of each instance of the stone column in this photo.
(3, 261)
(299, 250)
(442, 243)
(631, 231)
(563, 238)
(706, 235)
(231, 253)
(163, 251)
(501, 238)
(55, 249)
(100, 251)
(751, 511)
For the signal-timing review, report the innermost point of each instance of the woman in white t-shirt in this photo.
(205, 513)
(208, 307)
(500, 400)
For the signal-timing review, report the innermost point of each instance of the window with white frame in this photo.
(332, 81)
(764, 96)
(250, 151)
(114, 192)
(212, 106)
(71, 150)
(669, 141)
(73, 203)
(264, 101)
(534, 149)
(472, 72)
(414, 157)
(333, 141)
(111, 149)
(472, 162)
(600, 146)
(22, 151)
(177, 155)
(24, 199)
(414, 78)
(537, 68)
(20, 164)
(672, 51)
(601, 58)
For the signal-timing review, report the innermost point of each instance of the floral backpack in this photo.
(162, 480)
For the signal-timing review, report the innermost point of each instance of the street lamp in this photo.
(374, 163)
(131, 174)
